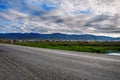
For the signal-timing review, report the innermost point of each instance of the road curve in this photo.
(26, 63)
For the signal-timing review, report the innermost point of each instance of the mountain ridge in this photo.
(55, 36)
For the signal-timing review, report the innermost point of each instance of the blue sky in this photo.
(97, 17)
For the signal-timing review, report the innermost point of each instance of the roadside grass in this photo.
(93, 47)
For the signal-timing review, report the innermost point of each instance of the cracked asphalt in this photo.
(27, 63)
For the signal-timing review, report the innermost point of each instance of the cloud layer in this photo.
(98, 17)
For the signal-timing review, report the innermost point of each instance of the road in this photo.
(26, 63)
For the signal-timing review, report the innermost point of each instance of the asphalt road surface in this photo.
(26, 63)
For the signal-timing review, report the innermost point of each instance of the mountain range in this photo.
(54, 36)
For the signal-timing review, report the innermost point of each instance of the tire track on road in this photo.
(10, 67)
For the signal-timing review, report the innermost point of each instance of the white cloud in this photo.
(98, 17)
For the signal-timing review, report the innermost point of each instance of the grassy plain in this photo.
(82, 46)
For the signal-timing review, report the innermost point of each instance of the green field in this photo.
(82, 46)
